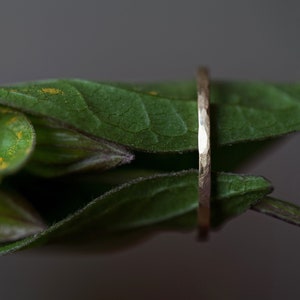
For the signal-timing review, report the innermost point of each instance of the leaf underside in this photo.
(147, 202)
(60, 151)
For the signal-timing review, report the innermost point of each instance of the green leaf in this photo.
(240, 111)
(17, 218)
(139, 121)
(60, 151)
(17, 139)
(235, 194)
(252, 111)
(161, 117)
(279, 209)
(148, 202)
(176, 90)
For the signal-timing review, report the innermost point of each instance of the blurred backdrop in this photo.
(253, 256)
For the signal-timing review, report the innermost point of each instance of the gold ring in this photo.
(204, 152)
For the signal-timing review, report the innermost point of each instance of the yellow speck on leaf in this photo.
(3, 164)
(19, 134)
(11, 151)
(52, 91)
(5, 110)
(12, 120)
(153, 93)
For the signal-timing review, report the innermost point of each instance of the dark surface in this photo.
(253, 256)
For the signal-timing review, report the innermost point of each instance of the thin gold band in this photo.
(204, 152)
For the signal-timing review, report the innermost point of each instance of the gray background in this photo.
(253, 256)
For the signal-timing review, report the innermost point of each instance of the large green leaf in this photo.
(139, 121)
(240, 111)
(251, 111)
(17, 140)
(161, 117)
(148, 202)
